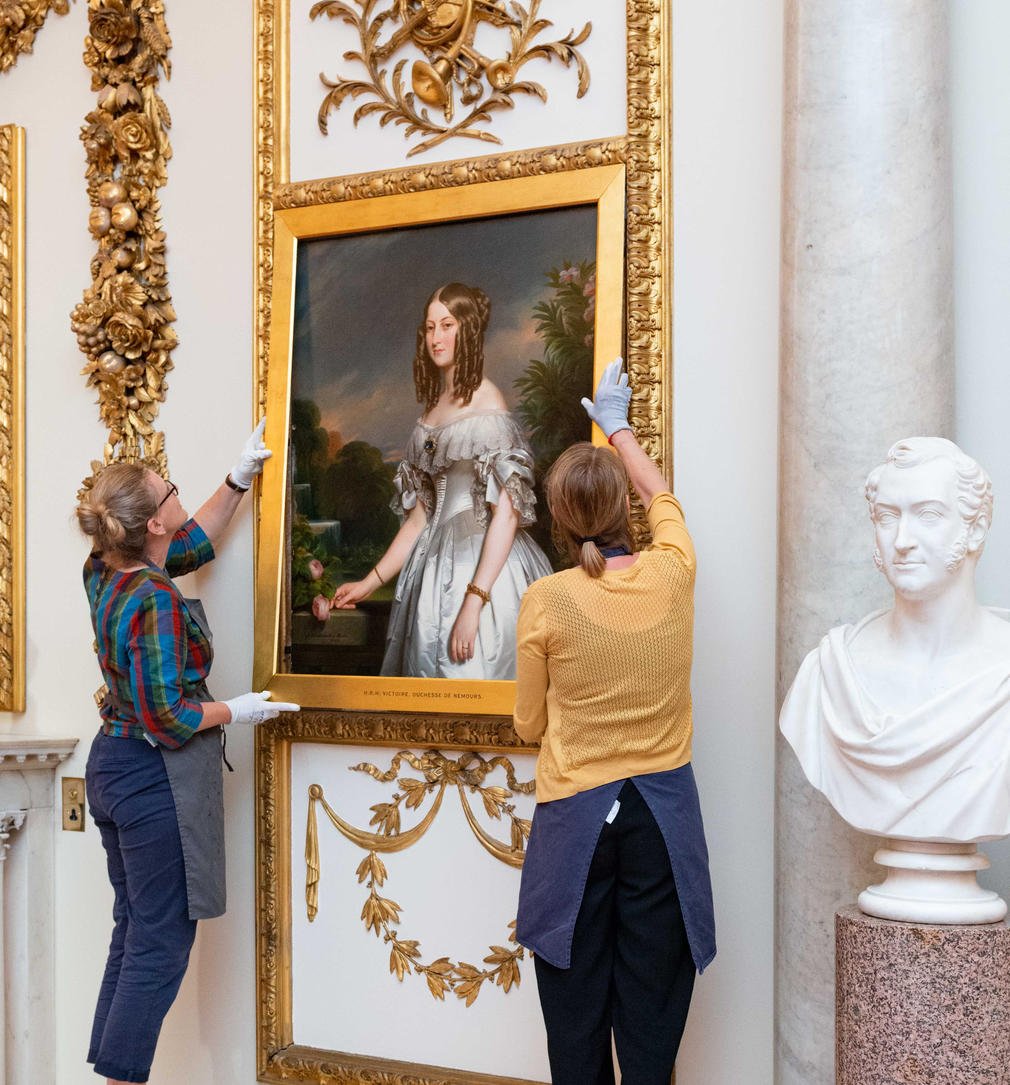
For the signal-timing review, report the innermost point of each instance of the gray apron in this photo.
(194, 773)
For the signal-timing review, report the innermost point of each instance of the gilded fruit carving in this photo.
(124, 216)
(111, 363)
(123, 322)
(111, 192)
(99, 221)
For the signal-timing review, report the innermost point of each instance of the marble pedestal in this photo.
(921, 1004)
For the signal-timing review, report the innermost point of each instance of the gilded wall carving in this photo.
(12, 318)
(124, 322)
(449, 67)
(20, 21)
(436, 773)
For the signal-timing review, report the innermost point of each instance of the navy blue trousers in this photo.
(131, 803)
(631, 970)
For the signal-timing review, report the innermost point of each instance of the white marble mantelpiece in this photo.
(28, 765)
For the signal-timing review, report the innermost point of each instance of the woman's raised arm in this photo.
(216, 512)
(609, 410)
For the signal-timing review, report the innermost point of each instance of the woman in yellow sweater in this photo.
(615, 900)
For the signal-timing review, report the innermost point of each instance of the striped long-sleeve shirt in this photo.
(153, 655)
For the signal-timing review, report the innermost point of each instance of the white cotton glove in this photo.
(257, 707)
(609, 408)
(250, 463)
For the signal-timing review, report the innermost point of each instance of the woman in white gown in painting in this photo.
(465, 493)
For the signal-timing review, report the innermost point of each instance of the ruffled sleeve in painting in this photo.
(510, 470)
(410, 488)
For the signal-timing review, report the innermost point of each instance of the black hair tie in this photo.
(591, 538)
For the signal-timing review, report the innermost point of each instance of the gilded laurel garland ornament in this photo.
(20, 21)
(380, 914)
(450, 76)
(123, 323)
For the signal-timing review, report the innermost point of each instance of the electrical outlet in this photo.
(73, 804)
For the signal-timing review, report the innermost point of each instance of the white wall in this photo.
(727, 103)
(980, 122)
(727, 98)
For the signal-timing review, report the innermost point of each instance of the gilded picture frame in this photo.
(644, 152)
(12, 359)
(482, 221)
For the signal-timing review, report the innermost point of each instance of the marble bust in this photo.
(902, 720)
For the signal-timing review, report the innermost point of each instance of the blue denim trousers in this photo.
(131, 803)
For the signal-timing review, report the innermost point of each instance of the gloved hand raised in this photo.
(250, 463)
(257, 707)
(609, 408)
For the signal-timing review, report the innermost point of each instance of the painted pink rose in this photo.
(316, 569)
(589, 290)
(321, 608)
(569, 274)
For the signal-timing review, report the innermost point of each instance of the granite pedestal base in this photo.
(917, 1004)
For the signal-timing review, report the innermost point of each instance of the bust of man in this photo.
(903, 719)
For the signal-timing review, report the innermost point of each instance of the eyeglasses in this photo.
(172, 489)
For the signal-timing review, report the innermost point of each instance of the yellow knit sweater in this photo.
(603, 673)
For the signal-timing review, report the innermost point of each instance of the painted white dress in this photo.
(458, 471)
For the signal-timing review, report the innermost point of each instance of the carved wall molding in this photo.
(123, 323)
(535, 163)
(20, 21)
(10, 822)
(401, 729)
(12, 331)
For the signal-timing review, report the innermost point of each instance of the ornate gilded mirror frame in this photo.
(12, 360)
(645, 153)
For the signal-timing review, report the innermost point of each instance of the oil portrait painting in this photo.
(435, 373)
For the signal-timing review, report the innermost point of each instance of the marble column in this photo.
(867, 358)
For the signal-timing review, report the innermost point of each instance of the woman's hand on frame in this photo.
(250, 461)
(256, 708)
(609, 407)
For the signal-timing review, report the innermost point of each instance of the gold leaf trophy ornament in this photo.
(443, 31)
